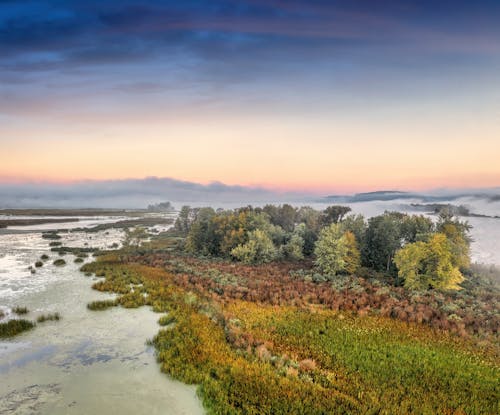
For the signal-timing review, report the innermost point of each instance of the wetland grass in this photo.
(48, 317)
(12, 328)
(20, 310)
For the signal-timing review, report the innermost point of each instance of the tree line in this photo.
(414, 250)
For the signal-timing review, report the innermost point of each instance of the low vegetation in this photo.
(268, 339)
(51, 235)
(20, 310)
(48, 317)
(101, 305)
(12, 328)
(59, 262)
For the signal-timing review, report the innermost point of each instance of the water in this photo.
(88, 362)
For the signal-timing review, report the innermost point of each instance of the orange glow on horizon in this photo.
(317, 156)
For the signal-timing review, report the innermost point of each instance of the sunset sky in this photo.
(320, 96)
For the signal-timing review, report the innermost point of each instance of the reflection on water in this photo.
(88, 362)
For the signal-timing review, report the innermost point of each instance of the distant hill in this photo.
(387, 195)
(371, 196)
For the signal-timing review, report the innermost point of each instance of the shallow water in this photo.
(88, 362)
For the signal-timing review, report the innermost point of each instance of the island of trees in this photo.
(415, 251)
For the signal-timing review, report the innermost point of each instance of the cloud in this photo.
(132, 193)
(93, 33)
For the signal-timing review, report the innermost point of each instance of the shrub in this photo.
(258, 249)
(48, 317)
(59, 262)
(101, 305)
(14, 327)
(166, 320)
(331, 250)
(20, 310)
(51, 235)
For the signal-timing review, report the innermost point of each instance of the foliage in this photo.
(331, 250)
(291, 234)
(48, 317)
(357, 225)
(51, 235)
(59, 262)
(334, 214)
(352, 257)
(258, 249)
(13, 327)
(101, 305)
(200, 237)
(382, 240)
(166, 320)
(184, 220)
(424, 265)
(20, 310)
(283, 216)
(294, 249)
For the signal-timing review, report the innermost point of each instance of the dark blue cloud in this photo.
(263, 44)
(68, 27)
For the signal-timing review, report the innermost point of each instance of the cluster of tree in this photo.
(161, 207)
(412, 248)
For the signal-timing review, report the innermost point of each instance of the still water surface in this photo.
(88, 362)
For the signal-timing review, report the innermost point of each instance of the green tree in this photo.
(416, 228)
(334, 214)
(457, 233)
(258, 249)
(184, 220)
(310, 217)
(353, 257)
(293, 249)
(201, 238)
(382, 240)
(331, 250)
(428, 265)
(283, 216)
(357, 225)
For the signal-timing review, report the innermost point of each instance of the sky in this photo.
(318, 96)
